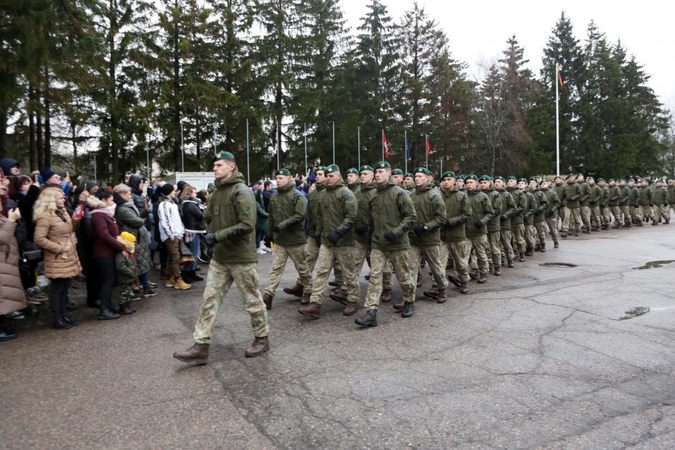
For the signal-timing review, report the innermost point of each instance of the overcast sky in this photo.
(478, 30)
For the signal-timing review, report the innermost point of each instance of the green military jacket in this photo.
(585, 193)
(337, 213)
(355, 187)
(481, 211)
(559, 190)
(614, 195)
(594, 195)
(508, 209)
(528, 215)
(540, 205)
(363, 196)
(287, 210)
(626, 196)
(604, 202)
(521, 205)
(495, 197)
(458, 212)
(231, 214)
(430, 212)
(671, 194)
(553, 202)
(391, 209)
(634, 196)
(313, 206)
(571, 195)
(660, 196)
(645, 196)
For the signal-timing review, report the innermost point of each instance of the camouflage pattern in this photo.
(552, 223)
(312, 252)
(540, 232)
(505, 238)
(461, 251)
(125, 293)
(432, 254)
(494, 241)
(218, 281)
(280, 255)
(530, 235)
(518, 230)
(645, 212)
(327, 255)
(386, 275)
(481, 247)
(571, 215)
(361, 254)
(400, 263)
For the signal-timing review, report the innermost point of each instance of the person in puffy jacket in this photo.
(193, 220)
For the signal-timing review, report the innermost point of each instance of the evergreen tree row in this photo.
(104, 86)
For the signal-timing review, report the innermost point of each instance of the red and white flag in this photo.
(428, 146)
(385, 146)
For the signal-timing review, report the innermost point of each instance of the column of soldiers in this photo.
(399, 223)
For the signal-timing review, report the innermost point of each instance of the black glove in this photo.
(478, 224)
(229, 234)
(420, 230)
(651, 205)
(210, 239)
(276, 228)
(503, 218)
(390, 236)
(665, 204)
(361, 230)
(318, 240)
(537, 212)
(334, 237)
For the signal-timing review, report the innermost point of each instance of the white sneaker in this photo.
(268, 250)
(260, 251)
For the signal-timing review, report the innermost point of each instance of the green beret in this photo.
(512, 177)
(397, 172)
(534, 179)
(366, 167)
(285, 172)
(485, 178)
(408, 174)
(522, 179)
(223, 155)
(570, 176)
(610, 180)
(383, 165)
(353, 170)
(448, 174)
(547, 179)
(601, 179)
(470, 177)
(332, 168)
(499, 177)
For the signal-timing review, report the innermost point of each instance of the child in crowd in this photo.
(126, 272)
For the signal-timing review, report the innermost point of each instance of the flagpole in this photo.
(557, 121)
(405, 145)
(358, 143)
(383, 144)
(305, 149)
(333, 142)
(426, 149)
(248, 157)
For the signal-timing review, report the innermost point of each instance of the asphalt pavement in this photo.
(572, 349)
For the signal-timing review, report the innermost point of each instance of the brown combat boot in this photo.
(474, 274)
(529, 251)
(555, 245)
(432, 293)
(482, 278)
(521, 257)
(305, 298)
(259, 346)
(543, 248)
(498, 271)
(312, 310)
(510, 263)
(454, 280)
(267, 300)
(464, 288)
(442, 295)
(350, 309)
(399, 306)
(419, 279)
(296, 290)
(386, 296)
(339, 295)
(197, 354)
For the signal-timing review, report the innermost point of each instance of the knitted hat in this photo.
(166, 189)
(128, 236)
(46, 173)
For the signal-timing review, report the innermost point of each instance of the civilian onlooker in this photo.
(86, 243)
(260, 223)
(10, 167)
(12, 298)
(131, 220)
(127, 271)
(106, 248)
(171, 231)
(193, 220)
(54, 233)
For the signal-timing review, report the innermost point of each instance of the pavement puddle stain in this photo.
(635, 312)
(653, 264)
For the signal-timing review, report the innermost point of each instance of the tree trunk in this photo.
(48, 128)
(32, 146)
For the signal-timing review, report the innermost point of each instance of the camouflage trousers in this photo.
(461, 252)
(530, 235)
(218, 281)
(596, 218)
(480, 247)
(361, 255)
(280, 255)
(585, 213)
(494, 238)
(571, 215)
(540, 232)
(328, 254)
(505, 237)
(605, 215)
(400, 264)
(662, 212)
(312, 252)
(518, 230)
(125, 293)
(645, 212)
(628, 214)
(552, 222)
(432, 254)
(618, 213)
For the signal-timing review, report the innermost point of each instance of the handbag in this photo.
(186, 256)
(32, 252)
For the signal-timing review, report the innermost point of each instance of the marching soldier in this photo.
(476, 227)
(494, 226)
(551, 215)
(518, 220)
(508, 211)
(570, 200)
(539, 214)
(458, 212)
(594, 199)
